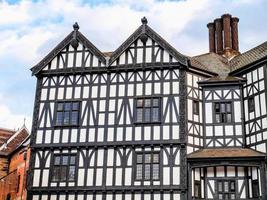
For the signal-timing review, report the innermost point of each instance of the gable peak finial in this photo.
(76, 26)
(144, 20)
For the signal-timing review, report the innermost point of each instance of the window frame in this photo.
(151, 178)
(197, 184)
(143, 107)
(195, 102)
(70, 115)
(229, 192)
(255, 194)
(68, 165)
(251, 104)
(225, 113)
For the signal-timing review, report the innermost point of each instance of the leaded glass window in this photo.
(64, 168)
(223, 112)
(148, 110)
(147, 165)
(67, 113)
(226, 189)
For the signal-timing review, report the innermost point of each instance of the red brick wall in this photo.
(15, 183)
(3, 167)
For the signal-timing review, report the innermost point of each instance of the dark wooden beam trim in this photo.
(122, 68)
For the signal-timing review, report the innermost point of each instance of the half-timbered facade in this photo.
(147, 123)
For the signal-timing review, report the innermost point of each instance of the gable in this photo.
(65, 56)
(146, 47)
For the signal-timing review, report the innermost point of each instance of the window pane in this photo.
(217, 107)
(139, 172)
(255, 188)
(229, 117)
(72, 160)
(147, 114)
(220, 187)
(232, 186)
(156, 102)
(60, 106)
(226, 187)
(139, 115)
(139, 158)
(75, 106)
(67, 106)
(63, 173)
(56, 174)
(66, 118)
(147, 172)
(223, 118)
(147, 158)
(155, 171)
(147, 102)
(220, 196)
(217, 118)
(251, 104)
(140, 102)
(57, 160)
(65, 160)
(228, 107)
(155, 114)
(71, 173)
(59, 118)
(74, 118)
(155, 158)
(222, 108)
(233, 196)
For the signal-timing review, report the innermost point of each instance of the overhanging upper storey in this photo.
(146, 48)
(75, 51)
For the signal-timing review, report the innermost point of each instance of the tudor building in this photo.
(146, 122)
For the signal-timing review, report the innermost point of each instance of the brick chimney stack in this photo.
(211, 28)
(234, 25)
(219, 36)
(223, 36)
(226, 18)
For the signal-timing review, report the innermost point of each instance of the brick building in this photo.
(14, 161)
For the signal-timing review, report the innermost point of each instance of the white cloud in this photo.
(30, 29)
(11, 120)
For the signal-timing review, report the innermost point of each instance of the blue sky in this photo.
(29, 29)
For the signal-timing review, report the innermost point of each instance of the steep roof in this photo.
(225, 153)
(144, 29)
(67, 40)
(211, 62)
(5, 134)
(249, 57)
(14, 141)
(218, 64)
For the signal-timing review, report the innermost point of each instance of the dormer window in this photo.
(223, 112)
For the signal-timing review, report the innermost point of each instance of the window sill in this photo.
(66, 126)
(147, 123)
